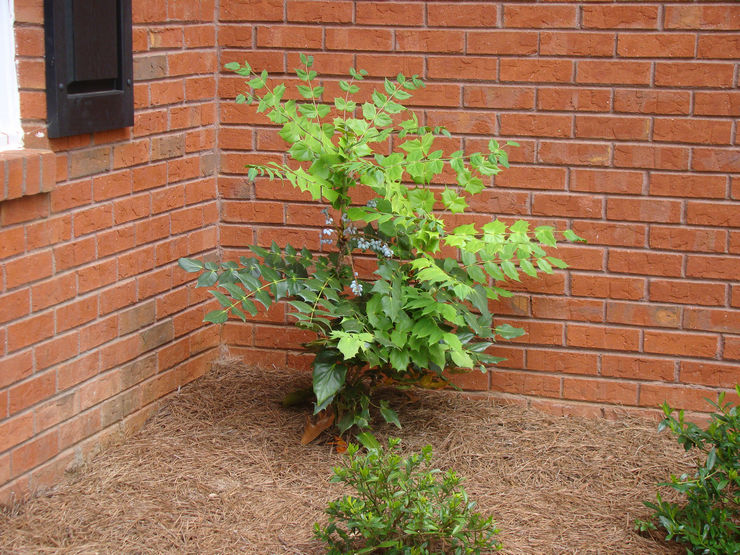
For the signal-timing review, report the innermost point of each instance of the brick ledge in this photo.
(26, 172)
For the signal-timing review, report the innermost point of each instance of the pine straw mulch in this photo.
(221, 470)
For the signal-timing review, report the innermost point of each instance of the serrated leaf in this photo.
(388, 414)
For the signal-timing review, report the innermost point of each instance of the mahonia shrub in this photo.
(708, 520)
(425, 308)
(402, 506)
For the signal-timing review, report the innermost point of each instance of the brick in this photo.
(78, 428)
(620, 17)
(150, 122)
(612, 128)
(422, 40)
(532, 177)
(681, 343)
(157, 335)
(689, 185)
(716, 103)
(28, 269)
(537, 70)
(712, 213)
(565, 362)
(31, 391)
(131, 208)
(715, 160)
(718, 46)
(15, 305)
(692, 240)
(603, 391)
(454, 14)
(573, 99)
(35, 452)
(567, 205)
(645, 101)
(23, 209)
(61, 348)
(709, 373)
(74, 253)
(637, 368)
(14, 368)
(538, 333)
(687, 292)
(381, 13)
(576, 43)
(597, 337)
(502, 42)
(582, 257)
(542, 17)
(612, 287)
(200, 36)
(725, 321)
(580, 310)
(498, 97)
(693, 74)
(355, 38)
(12, 242)
(325, 12)
(659, 45)
(189, 63)
(702, 17)
(150, 67)
(467, 122)
(76, 313)
(524, 383)
(96, 275)
(537, 125)
(622, 182)
(732, 348)
(169, 146)
(468, 68)
(719, 267)
(574, 153)
(694, 130)
(639, 314)
(645, 262)
(677, 396)
(135, 262)
(89, 161)
(619, 72)
(643, 210)
(651, 157)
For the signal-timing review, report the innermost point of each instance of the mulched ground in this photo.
(221, 470)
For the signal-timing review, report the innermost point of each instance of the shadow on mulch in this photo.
(221, 470)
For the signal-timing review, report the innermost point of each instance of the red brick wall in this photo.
(96, 320)
(626, 115)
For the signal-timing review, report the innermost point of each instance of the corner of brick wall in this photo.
(98, 323)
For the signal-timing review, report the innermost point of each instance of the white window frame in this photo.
(11, 132)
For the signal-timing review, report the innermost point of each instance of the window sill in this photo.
(26, 172)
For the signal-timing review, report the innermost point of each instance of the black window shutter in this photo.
(89, 66)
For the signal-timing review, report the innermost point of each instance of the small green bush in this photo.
(403, 506)
(709, 520)
(424, 311)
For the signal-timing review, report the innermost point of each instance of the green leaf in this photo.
(388, 414)
(507, 331)
(510, 270)
(368, 441)
(232, 66)
(190, 265)
(216, 316)
(570, 235)
(328, 377)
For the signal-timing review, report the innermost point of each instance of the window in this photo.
(11, 133)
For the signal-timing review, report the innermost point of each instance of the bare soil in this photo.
(220, 470)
